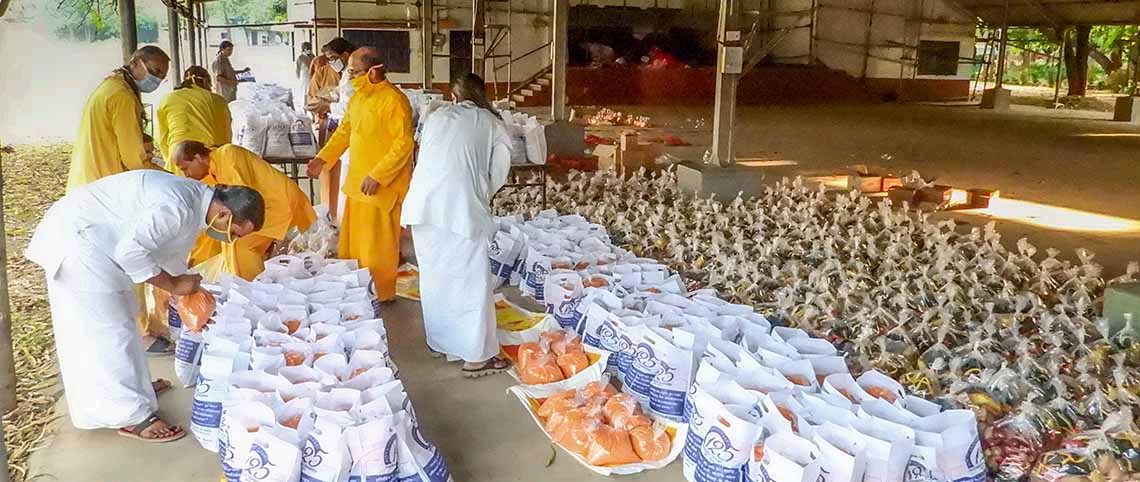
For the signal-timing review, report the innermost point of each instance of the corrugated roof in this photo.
(1048, 13)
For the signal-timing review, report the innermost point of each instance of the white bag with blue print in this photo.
(241, 420)
(274, 456)
(724, 427)
(419, 460)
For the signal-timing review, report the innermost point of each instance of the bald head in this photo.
(193, 158)
(366, 60)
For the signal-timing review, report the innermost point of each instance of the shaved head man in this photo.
(377, 131)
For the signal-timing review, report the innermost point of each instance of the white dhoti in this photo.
(105, 375)
(455, 293)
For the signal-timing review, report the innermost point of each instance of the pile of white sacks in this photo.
(762, 403)
(294, 381)
(528, 135)
(264, 121)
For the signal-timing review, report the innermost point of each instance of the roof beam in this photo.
(1057, 22)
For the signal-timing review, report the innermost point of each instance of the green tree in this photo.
(95, 20)
(248, 11)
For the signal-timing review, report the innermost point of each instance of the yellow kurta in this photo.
(286, 206)
(109, 140)
(377, 131)
(191, 114)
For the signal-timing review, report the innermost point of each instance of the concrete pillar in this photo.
(128, 30)
(559, 56)
(998, 97)
(175, 40)
(729, 63)
(427, 30)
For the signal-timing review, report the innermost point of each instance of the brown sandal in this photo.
(161, 385)
(492, 366)
(136, 431)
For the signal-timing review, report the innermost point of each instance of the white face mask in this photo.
(337, 65)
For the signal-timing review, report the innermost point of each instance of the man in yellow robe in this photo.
(286, 206)
(377, 131)
(110, 137)
(192, 113)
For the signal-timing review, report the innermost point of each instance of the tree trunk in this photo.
(1109, 64)
(1077, 61)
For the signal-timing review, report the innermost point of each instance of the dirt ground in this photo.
(1063, 158)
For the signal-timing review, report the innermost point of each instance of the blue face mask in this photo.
(148, 84)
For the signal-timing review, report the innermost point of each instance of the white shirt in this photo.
(344, 91)
(465, 156)
(123, 229)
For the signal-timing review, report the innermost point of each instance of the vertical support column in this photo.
(192, 32)
(729, 59)
(338, 29)
(1060, 66)
(427, 30)
(478, 38)
(128, 30)
(175, 40)
(560, 53)
(999, 82)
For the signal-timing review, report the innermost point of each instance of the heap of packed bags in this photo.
(265, 122)
(294, 380)
(528, 137)
(757, 402)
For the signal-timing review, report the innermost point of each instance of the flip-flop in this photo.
(492, 366)
(136, 431)
(160, 347)
(163, 386)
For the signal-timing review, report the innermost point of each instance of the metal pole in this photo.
(1060, 65)
(510, 48)
(1001, 47)
(427, 29)
(560, 53)
(128, 30)
(175, 54)
(192, 33)
(478, 38)
(338, 31)
(724, 117)
(867, 39)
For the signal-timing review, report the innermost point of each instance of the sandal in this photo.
(492, 366)
(160, 347)
(161, 385)
(136, 431)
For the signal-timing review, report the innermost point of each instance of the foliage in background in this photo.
(247, 11)
(95, 20)
(1031, 57)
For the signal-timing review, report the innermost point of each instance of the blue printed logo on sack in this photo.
(173, 319)
(915, 471)
(567, 314)
(258, 465)
(391, 451)
(312, 455)
(494, 249)
(664, 399)
(624, 357)
(974, 463)
(716, 452)
(226, 453)
(643, 371)
(693, 441)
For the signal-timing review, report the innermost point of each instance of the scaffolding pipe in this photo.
(999, 81)
(175, 54)
(338, 29)
(128, 30)
(1060, 65)
(192, 33)
(427, 32)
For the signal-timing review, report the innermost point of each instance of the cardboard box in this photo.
(937, 194)
(891, 182)
(868, 183)
(899, 195)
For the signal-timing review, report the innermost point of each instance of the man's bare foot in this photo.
(161, 385)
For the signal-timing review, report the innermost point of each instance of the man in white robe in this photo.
(464, 159)
(94, 245)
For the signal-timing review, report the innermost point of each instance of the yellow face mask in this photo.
(360, 81)
(215, 233)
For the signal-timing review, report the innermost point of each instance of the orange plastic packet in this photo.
(572, 363)
(798, 380)
(293, 359)
(292, 422)
(547, 339)
(560, 402)
(630, 421)
(527, 353)
(611, 446)
(292, 326)
(597, 388)
(567, 345)
(576, 435)
(196, 309)
(543, 369)
(650, 443)
(559, 420)
(882, 394)
(619, 405)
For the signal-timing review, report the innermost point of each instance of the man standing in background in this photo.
(110, 137)
(377, 131)
(225, 77)
(304, 61)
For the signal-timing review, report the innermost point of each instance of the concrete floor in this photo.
(1066, 158)
(484, 432)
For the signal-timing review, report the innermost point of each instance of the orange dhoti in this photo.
(371, 235)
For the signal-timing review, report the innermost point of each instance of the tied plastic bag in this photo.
(195, 310)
